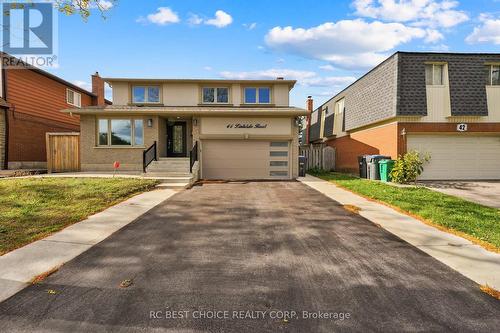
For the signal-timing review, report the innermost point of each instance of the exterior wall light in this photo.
(150, 122)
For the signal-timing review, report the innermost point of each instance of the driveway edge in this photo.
(19, 267)
(469, 259)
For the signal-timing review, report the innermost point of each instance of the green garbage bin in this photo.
(385, 167)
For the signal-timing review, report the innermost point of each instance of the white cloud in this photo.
(429, 13)
(327, 67)
(83, 84)
(250, 26)
(195, 19)
(105, 4)
(304, 78)
(163, 16)
(269, 74)
(221, 19)
(487, 32)
(207, 68)
(329, 81)
(347, 43)
(433, 36)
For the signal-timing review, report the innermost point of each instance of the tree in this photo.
(84, 7)
(81, 7)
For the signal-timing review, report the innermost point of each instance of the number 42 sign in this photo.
(462, 127)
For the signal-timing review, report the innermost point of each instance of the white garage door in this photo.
(238, 159)
(458, 156)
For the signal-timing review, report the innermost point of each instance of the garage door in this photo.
(238, 159)
(458, 156)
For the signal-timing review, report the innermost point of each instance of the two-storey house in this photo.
(216, 129)
(30, 103)
(443, 104)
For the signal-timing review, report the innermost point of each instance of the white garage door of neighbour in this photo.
(458, 156)
(240, 159)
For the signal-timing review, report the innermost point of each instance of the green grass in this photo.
(33, 208)
(479, 222)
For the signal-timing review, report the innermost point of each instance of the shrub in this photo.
(408, 167)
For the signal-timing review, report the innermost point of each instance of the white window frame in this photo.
(491, 74)
(443, 72)
(77, 98)
(132, 133)
(146, 93)
(314, 117)
(257, 97)
(216, 92)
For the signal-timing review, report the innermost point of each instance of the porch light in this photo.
(150, 122)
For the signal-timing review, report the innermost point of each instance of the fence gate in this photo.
(63, 152)
(318, 156)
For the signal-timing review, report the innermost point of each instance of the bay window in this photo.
(120, 132)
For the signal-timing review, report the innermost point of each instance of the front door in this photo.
(176, 139)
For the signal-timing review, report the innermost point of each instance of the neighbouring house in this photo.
(444, 104)
(30, 104)
(211, 129)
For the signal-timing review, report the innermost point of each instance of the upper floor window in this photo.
(258, 95)
(215, 95)
(434, 74)
(492, 75)
(146, 94)
(73, 98)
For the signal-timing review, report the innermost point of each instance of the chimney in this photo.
(98, 89)
(280, 78)
(309, 108)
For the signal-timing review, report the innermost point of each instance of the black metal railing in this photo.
(148, 156)
(193, 156)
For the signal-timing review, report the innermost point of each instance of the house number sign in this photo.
(248, 125)
(462, 127)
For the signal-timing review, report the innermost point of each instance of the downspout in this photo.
(4, 95)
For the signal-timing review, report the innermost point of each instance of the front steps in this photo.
(170, 172)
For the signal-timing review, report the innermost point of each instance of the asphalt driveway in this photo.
(486, 193)
(274, 248)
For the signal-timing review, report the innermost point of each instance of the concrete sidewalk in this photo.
(467, 258)
(19, 267)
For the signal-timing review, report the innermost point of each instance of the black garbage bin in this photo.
(363, 172)
(302, 166)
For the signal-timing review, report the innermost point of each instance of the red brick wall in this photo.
(36, 104)
(381, 140)
(27, 136)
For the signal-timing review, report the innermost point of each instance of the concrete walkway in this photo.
(470, 260)
(19, 267)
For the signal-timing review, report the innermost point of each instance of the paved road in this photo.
(259, 246)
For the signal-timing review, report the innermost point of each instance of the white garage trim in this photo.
(457, 157)
(245, 159)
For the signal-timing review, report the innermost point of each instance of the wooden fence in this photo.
(318, 156)
(63, 152)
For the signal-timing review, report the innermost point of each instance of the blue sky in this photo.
(324, 44)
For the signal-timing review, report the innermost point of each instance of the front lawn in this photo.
(476, 221)
(33, 208)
